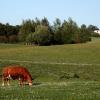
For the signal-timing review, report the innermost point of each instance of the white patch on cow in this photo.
(9, 76)
(19, 78)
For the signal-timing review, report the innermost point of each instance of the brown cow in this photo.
(16, 72)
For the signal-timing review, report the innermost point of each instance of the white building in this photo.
(97, 31)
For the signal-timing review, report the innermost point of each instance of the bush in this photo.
(95, 34)
(69, 76)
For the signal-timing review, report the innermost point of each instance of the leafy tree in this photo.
(83, 26)
(8, 33)
(27, 27)
(11, 33)
(45, 22)
(85, 34)
(37, 21)
(29, 39)
(42, 35)
(2, 29)
(57, 29)
(69, 31)
(92, 27)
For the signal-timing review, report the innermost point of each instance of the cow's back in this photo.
(15, 70)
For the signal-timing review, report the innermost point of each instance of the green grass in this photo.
(76, 53)
(55, 91)
(62, 72)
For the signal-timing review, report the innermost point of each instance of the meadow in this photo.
(60, 72)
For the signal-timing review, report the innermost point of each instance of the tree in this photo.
(42, 35)
(8, 33)
(29, 39)
(85, 34)
(69, 31)
(27, 27)
(92, 27)
(2, 29)
(45, 22)
(83, 26)
(57, 30)
(37, 21)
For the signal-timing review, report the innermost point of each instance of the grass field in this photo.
(62, 72)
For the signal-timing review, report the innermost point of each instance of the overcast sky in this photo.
(82, 11)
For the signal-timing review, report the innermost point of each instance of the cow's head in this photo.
(30, 84)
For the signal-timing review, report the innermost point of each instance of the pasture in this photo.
(61, 72)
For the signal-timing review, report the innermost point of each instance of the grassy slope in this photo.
(52, 81)
(77, 53)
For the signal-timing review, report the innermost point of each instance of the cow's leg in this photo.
(8, 82)
(21, 82)
(3, 81)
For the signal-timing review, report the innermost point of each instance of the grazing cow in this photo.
(16, 72)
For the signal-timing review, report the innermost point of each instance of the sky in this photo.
(81, 11)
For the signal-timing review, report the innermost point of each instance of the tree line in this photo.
(40, 32)
(9, 33)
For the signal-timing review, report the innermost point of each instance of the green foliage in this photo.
(67, 32)
(42, 35)
(93, 34)
(57, 28)
(93, 28)
(69, 76)
(27, 27)
(45, 22)
(29, 38)
(85, 35)
(9, 33)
